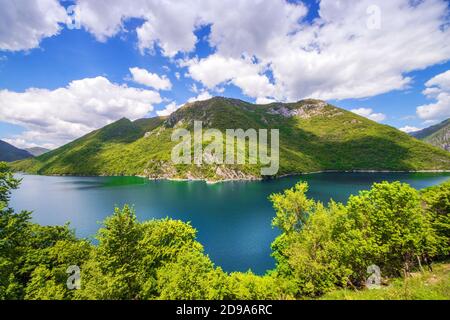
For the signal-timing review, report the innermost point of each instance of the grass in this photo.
(428, 285)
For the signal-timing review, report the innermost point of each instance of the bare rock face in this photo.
(305, 111)
(224, 173)
(160, 170)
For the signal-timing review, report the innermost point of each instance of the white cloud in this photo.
(335, 57)
(368, 113)
(168, 110)
(24, 23)
(205, 95)
(264, 101)
(152, 80)
(54, 117)
(244, 73)
(409, 129)
(438, 88)
(170, 25)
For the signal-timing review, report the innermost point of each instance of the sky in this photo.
(70, 67)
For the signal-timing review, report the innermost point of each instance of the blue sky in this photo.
(310, 49)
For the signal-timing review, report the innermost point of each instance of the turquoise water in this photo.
(233, 219)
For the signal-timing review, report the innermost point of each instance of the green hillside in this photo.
(438, 135)
(10, 153)
(314, 136)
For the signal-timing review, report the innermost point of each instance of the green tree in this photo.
(436, 201)
(117, 257)
(248, 286)
(192, 277)
(44, 286)
(324, 247)
(292, 208)
(309, 258)
(162, 242)
(14, 229)
(394, 231)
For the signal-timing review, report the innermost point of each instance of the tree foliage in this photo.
(320, 248)
(332, 246)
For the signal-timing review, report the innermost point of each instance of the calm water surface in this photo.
(233, 219)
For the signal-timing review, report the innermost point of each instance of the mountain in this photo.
(438, 135)
(37, 151)
(314, 136)
(10, 153)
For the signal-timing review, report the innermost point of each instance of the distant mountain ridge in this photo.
(37, 151)
(314, 136)
(437, 135)
(10, 153)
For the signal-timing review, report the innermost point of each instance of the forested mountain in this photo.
(314, 136)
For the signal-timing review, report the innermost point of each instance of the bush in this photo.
(322, 248)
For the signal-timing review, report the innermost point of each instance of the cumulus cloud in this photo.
(24, 23)
(170, 25)
(438, 88)
(368, 113)
(168, 110)
(409, 129)
(215, 70)
(173, 106)
(352, 50)
(264, 101)
(54, 117)
(152, 80)
(205, 95)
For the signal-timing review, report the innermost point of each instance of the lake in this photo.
(233, 219)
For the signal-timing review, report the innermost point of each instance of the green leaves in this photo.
(324, 247)
(436, 201)
(191, 277)
(321, 248)
(292, 208)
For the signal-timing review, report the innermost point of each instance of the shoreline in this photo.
(211, 182)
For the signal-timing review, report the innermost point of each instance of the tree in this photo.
(14, 229)
(392, 222)
(309, 258)
(248, 286)
(324, 247)
(117, 257)
(129, 255)
(292, 208)
(191, 277)
(162, 242)
(44, 286)
(436, 201)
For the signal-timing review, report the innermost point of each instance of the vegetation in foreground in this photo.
(427, 285)
(323, 251)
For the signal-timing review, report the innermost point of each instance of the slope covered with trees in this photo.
(314, 136)
(321, 248)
